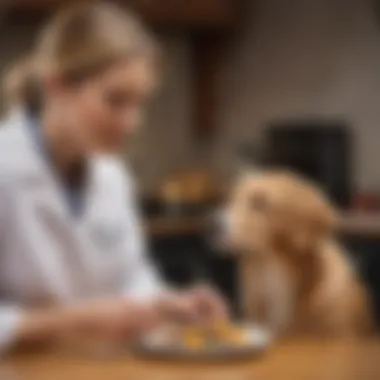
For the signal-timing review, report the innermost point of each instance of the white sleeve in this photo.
(9, 322)
(143, 280)
(10, 314)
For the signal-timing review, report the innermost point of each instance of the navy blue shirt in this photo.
(73, 190)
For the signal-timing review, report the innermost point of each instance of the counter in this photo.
(352, 224)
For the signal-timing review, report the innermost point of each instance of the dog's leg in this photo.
(280, 299)
(251, 291)
(267, 295)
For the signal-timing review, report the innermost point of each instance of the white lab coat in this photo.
(46, 255)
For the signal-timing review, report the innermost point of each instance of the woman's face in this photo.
(99, 114)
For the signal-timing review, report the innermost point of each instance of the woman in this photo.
(72, 257)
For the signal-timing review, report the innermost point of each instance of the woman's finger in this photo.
(213, 304)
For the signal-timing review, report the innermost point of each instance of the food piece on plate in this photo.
(221, 329)
(227, 333)
(236, 336)
(221, 334)
(194, 339)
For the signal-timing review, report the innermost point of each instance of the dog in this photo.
(296, 279)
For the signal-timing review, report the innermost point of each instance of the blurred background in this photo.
(294, 83)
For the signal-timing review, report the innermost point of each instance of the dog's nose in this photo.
(213, 225)
(216, 229)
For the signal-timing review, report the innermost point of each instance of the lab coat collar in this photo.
(19, 157)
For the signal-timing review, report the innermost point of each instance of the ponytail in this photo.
(21, 87)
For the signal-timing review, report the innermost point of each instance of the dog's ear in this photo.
(322, 226)
(307, 236)
(294, 241)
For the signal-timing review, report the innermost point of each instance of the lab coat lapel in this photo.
(70, 268)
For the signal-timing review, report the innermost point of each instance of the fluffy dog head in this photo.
(277, 213)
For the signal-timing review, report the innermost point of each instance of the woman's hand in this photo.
(117, 320)
(210, 305)
(120, 318)
(198, 305)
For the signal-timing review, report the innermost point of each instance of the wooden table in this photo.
(299, 360)
(352, 224)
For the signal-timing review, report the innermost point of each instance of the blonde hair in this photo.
(81, 41)
(20, 87)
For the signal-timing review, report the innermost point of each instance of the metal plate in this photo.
(258, 340)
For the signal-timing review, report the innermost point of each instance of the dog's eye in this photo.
(258, 202)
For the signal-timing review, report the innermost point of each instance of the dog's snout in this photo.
(211, 226)
(218, 229)
(215, 223)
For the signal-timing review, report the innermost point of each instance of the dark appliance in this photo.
(319, 150)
